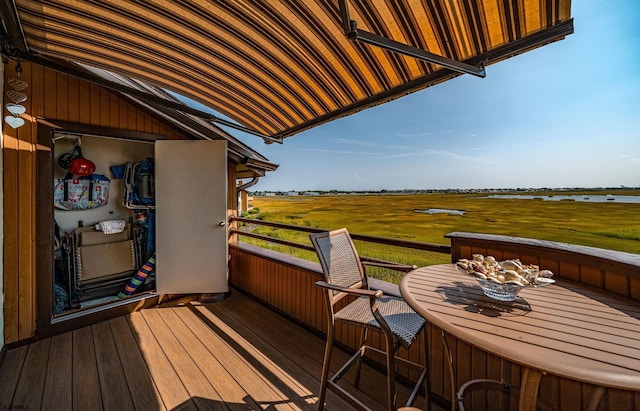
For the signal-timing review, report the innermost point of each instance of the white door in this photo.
(191, 215)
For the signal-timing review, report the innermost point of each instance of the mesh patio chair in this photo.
(345, 275)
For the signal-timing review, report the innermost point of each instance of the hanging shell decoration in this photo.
(505, 272)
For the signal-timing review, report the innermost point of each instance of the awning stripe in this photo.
(239, 45)
(324, 73)
(260, 36)
(375, 58)
(241, 60)
(471, 14)
(344, 67)
(281, 66)
(113, 49)
(86, 54)
(278, 94)
(377, 20)
(206, 38)
(442, 32)
(344, 56)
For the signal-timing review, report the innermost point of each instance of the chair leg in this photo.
(363, 337)
(391, 373)
(427, 365)
(452, 378)
(325, 368)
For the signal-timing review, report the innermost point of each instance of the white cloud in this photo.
(425, 133)
(322, 150)
(447, 154)
(369, 143)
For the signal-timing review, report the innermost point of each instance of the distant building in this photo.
(293, 193)
(245, 200)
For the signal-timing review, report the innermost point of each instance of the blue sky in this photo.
(564, 115)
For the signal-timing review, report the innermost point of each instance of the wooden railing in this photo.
(286, 284)
(415, 245)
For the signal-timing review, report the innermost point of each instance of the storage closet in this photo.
(161, 228)
(98, 251)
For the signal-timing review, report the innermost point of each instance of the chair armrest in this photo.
(392, 266)
(354, 291)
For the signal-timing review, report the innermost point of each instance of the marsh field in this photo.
(608, 225)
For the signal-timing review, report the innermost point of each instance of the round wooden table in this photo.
(565, 329)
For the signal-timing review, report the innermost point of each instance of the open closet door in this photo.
(191, 215)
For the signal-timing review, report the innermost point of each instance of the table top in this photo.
(565, 329)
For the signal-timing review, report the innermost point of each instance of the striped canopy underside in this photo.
(279, 67)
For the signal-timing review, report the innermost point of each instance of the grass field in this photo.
(609, 225)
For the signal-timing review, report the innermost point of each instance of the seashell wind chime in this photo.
(17, 96)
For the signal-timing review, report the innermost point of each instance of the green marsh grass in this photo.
(609, 225)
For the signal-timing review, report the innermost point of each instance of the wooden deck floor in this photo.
(231, 355)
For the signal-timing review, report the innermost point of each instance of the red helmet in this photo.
(81, 167)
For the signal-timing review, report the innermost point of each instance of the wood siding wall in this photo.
(287, 284)
(53, 96)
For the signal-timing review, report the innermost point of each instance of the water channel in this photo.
(586, 198)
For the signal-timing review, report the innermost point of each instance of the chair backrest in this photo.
(339, 259)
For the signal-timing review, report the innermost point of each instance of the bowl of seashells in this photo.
(503, 280)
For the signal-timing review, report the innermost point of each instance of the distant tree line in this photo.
(432, 191)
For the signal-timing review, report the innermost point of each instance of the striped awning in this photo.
(282, 66)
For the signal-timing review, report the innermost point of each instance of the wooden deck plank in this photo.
(114, 388)
(86, 383)
(304, 349)
(199, 388)
(171, 389)
(278, 360)
(282, 340)
(58, 391)
(10, 369)
(28, 393)
(249, 367)
(144, 393)
(232, 393)
(232, 355)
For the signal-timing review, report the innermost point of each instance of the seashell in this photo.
(511, 275)
(477, 266)
(493, 280)
(464, 264)
(530, 275)
(489, 259)
(478, 275)
(511, 265)
(478, 257)
(514, 282)
(542, 281)
(545, 273)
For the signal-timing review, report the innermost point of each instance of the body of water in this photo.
(440, 211)
(585, 198)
